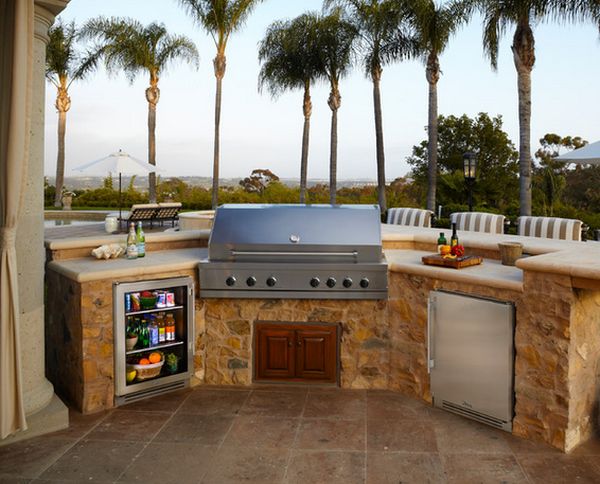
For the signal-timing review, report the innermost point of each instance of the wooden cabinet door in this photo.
(275, 352)
(316, 353)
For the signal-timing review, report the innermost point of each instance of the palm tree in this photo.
(289, 61)
(381, 40)
(336, 37)
(63, 66)
(220, 18)
(434, 24)
(498, 16)
(127, 45)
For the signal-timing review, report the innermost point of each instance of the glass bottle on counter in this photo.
(441, 241)
(454, 238)
(140, 238)
(132, 250)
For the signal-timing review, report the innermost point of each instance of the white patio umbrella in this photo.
(121, 163)
(589, 153)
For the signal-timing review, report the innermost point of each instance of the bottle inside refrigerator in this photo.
(153, 337)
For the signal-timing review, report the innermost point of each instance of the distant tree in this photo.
(64, 64)
(496, 187)
(550, 177)
(336, 36)
(258, 180)
(434, 24)
(288, 53)
(220, 18)
(127, 45)
(381, 39)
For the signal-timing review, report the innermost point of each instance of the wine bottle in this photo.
(441, 241)
(140, 240)
(454, 238)
(132, 251)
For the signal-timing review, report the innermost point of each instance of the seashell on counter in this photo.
(108, 251)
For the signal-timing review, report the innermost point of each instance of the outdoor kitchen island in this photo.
(383, 344)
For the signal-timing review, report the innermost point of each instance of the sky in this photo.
(108, 113)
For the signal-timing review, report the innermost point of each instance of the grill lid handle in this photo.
(353, 254)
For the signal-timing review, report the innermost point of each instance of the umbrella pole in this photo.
(120, 198)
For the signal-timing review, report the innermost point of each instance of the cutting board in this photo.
(458, 263)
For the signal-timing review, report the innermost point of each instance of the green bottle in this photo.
(441, 241)
(140, 238)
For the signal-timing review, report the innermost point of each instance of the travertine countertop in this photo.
(81, 242)
(490, 273)
(476, 240)
(91, 269)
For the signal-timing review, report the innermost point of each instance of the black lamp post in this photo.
(470, 173)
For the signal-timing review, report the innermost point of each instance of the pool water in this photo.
(69, 222)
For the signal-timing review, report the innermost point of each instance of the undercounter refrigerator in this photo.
(153, 337)
(471, 357)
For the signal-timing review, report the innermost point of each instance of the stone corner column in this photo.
(44, 411)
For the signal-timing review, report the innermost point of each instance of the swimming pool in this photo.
(69, 222)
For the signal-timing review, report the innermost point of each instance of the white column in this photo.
(44, 411)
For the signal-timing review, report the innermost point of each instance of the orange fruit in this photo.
(144, 361)
(445, 249)
(155, 357)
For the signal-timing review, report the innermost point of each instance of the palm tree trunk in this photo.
(307, 110)
(219, 64)
(152, 150)
(152, 96)
(376, 76)
(524, 58)
(335, 101)
(62, 104)
(433, 75)
(60, 158)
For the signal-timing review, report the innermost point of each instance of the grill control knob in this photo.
(331, 282)
(347, 282)
(315, 281)
(251, 281)
(271, 281)
(364, 283)
(230, 281)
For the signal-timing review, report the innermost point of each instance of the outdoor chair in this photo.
(143, 212)
(489, 223)
(168, 211)
(413, 217)
(550, 227)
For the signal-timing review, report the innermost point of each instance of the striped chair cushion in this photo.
(550, 227)
(414, 217)
(490, 223)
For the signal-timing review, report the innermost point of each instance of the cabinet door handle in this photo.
(299, 343)
(290, 344)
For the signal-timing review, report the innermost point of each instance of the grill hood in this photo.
(296, 233)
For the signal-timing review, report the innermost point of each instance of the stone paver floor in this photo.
(273, 434)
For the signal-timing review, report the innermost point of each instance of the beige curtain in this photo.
(16, 65)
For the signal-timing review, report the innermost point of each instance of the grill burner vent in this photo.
(295, 251)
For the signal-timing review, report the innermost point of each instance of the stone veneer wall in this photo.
(226, 335)
(383, 344)
(584, 368)
(79, 338)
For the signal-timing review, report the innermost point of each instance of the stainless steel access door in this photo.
(471, 357)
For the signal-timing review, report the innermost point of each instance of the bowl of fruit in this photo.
(147, 300)
(147, 366)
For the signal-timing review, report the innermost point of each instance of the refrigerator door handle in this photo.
(430, 323)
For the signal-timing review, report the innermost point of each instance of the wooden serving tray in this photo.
(458, 263)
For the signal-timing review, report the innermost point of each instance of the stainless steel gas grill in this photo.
(296, 252)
